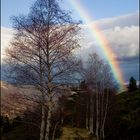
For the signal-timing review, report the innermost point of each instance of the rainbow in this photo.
(102, 41)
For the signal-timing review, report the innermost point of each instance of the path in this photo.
(71, 133)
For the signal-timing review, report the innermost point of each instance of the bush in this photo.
(7, 126)
(16, 121)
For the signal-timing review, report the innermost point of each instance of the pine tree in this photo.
(132, 84)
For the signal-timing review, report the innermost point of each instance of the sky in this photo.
(117, 19)
(97, 8)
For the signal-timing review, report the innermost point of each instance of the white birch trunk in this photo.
(91, 128)
(87, 116)
(97, 114)
(54, 131)
(42, 128)
(105, 115)
(48, 125)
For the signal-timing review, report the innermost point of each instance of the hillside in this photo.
(129, 101)
(12, 98)
(126, 121)
(126, 118)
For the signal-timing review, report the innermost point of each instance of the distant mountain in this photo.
(5, 74)
(9, 75)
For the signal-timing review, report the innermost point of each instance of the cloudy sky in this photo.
(118, 21)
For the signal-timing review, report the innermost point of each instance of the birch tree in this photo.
(107, 84)
(92, 77)
(100, 81)
(42, 52)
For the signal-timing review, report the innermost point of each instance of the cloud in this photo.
(124, 41)
(132, 59)
(6, 36)
(122, 33)
(131, 19)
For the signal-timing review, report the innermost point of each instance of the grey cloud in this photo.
(122, 33)
(121, 21)
(132, 59)
(124, 40)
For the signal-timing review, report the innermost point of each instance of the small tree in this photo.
(132, 84)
